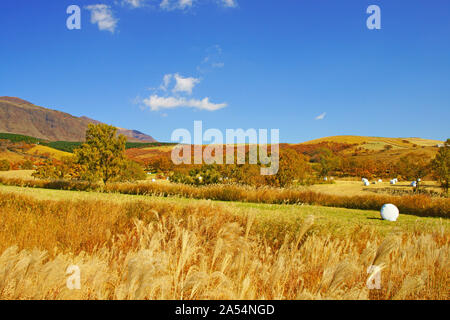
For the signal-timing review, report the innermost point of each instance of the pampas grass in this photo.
(169, 251)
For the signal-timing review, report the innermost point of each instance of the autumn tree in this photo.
(103, 153)
(325, 161)
(414, 167)
(161, 164)
(440, 166)
(64, 169)
(292, 167)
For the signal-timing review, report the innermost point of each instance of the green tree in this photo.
(414, 166)
(440, 166)
(204, 175)
(131, 171)
(103, 153)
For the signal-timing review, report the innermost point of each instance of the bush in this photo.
(27, 165)
(5, 165)
(207, 174)
(131, 171)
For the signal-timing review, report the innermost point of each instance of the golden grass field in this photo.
(143, 247)
(361, 140)
(345, 187)
(17, 174)
(11, 156)
(39, 150)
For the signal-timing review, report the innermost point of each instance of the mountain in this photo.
(22, 117)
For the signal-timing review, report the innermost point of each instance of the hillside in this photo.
(377, 148)
(22, 117)
(378, 143)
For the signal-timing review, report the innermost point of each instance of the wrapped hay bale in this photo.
(389, 212)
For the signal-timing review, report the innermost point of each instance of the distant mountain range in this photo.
(22, 117)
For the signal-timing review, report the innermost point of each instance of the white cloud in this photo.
(229, 3)
(321, 116)
(217, 64)
(212, 60)
(166, 82)
(102, 15)
(156, 103)
(134, 3)
(184, 84)
(176, 4)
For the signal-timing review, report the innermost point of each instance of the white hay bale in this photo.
(414, 184)
(153, 180)
(380, 181)
(418, 180)
(325, 179)
(389, 212)
(366, 183)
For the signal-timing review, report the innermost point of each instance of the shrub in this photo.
(5, 165)
(27, 165)
(131, 171)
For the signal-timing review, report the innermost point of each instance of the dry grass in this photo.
(356, 188)
(40, 150)
(400, 142)
(420, 205)
(11, 156)
(157, 250)
(17, 174)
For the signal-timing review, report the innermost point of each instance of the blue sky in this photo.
(310, 68)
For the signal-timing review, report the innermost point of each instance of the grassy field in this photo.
(11, 156)
(141, 247)
(352, 188)
(326, 218)
(170, 247)
(44, 150)
(17, 174)
(339, 187)
(361, 140)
